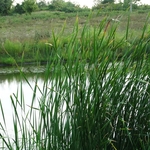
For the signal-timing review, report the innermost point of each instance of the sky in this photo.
(82, 3)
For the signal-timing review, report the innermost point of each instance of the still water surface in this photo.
(10, 86)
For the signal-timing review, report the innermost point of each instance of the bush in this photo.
(19, 9)
(64, 6)
(29, 6)
(5, 6)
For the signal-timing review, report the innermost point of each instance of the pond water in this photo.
(11, 84)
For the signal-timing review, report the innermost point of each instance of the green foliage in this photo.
(98, 2)
(56, 5)
(19, 9)
(107, 1)
(29, 6)
(42, 5)
(116, 6)
(13, 48)
(90, 99)
(109, 6)
(8, 61)
(35, 46)
(5, 6)
(133, 1)
(127, 3)
(61, 5)
(24, 52)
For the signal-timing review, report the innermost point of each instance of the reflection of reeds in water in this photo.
(104, 105)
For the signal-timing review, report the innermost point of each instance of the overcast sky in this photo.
(88, 3)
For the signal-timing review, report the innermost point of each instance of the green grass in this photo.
(93, 99)
(17, 31)
(25, 36)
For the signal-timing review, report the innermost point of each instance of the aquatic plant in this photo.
(91, 99)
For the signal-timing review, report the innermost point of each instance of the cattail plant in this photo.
(91, 98)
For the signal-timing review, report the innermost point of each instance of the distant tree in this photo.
(126, 3)
(129, 3)
(61, 5)
(134, 1)
(19, 9)
(97, 2)
(107, 1)
(5, 6)
(70, 7)
(42, 4)
(56, 4)
(29, 6)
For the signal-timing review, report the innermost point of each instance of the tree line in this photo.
(28, 6)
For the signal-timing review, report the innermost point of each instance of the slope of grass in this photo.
(29, 43)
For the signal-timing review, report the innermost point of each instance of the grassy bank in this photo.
(23, 37)
(90, 100)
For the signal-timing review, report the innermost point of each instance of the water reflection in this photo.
(21, 85)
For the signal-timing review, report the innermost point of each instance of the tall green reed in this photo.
(90, 98)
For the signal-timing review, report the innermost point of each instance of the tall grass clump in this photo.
(24, 52)
(91, 98)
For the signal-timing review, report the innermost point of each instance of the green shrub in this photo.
(13, 48)
(19, 9)
(8, 61)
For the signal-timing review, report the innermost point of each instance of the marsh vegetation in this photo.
(96, 84)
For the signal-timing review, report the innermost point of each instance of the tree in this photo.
(19, 9)
(5, 6)
(97, 2)
(107, 1)
(56, 4)
(126, 3)
(134, 1)
(129, 3)
(29, 6)
(42, 5)
(61, 5)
